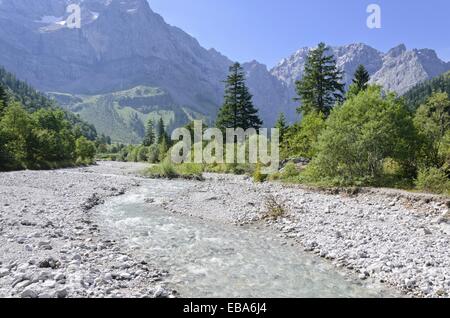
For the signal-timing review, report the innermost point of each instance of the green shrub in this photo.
(153, 154)
(432, 121)
(258, 176)
(229, 168)
(301, 139)
(132, 154)
(142, 154)
(163, 150)
(359, 136)
(85, 150)
(163, 170)
(274, 209)
(290, 171)
(192, 170)
(433, 180)
(168, 170)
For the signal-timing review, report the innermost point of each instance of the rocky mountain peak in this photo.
(396, 51)
(402, 69)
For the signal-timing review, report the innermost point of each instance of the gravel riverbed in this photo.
(50, 246)
(394, 237)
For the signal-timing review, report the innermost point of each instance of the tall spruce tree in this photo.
(3, 99)
(162, 134)
(150, 137)
(282, 126)
(361, 79)
(238, 110)
(321, 86)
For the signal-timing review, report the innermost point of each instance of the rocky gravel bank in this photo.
(51, 247)
(394, 237)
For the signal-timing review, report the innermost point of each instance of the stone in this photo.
(125, 276)
(108, 277)
(49, 263)
(21, 240)
(410, 283)
(362, 276)
(363, 254)
(44, 243)
(43, 276)
(62, 293)
(23, 284)
(49, 284)
(29, 293)
(4, 272)
(160, 292)
(22, 267)
(45, 247)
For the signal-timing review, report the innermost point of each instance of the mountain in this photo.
(403, 69)
(397, 70)
(121, 44)
(123, 48)
(270, 95)
(421, 92)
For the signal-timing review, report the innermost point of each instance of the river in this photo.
(211, 259)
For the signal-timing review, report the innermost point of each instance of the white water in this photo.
(208, 259)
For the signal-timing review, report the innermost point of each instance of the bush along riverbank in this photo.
(43, 138)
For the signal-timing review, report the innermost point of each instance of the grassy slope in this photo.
(123, 115)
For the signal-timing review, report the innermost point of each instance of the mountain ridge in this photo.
(124, 44)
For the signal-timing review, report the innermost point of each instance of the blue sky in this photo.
(269, 30)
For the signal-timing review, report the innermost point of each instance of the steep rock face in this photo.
(290, 69)
(398, 70)
(121, 44)
(348, 58)
(403, 69)
(269, 94)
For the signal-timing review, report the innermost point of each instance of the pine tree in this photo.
(162, 134)
(361, 79)
(321, 86)
(149, 138)
(247, 113)
(3, 99)
(238, 110)
(282, 126)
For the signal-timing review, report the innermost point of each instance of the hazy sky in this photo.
(269, 30)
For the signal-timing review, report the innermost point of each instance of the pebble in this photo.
(29, 293)
(49, 284)
(3, 272)
(62, 293)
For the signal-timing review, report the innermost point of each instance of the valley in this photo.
(104, 59)
(325, 175)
